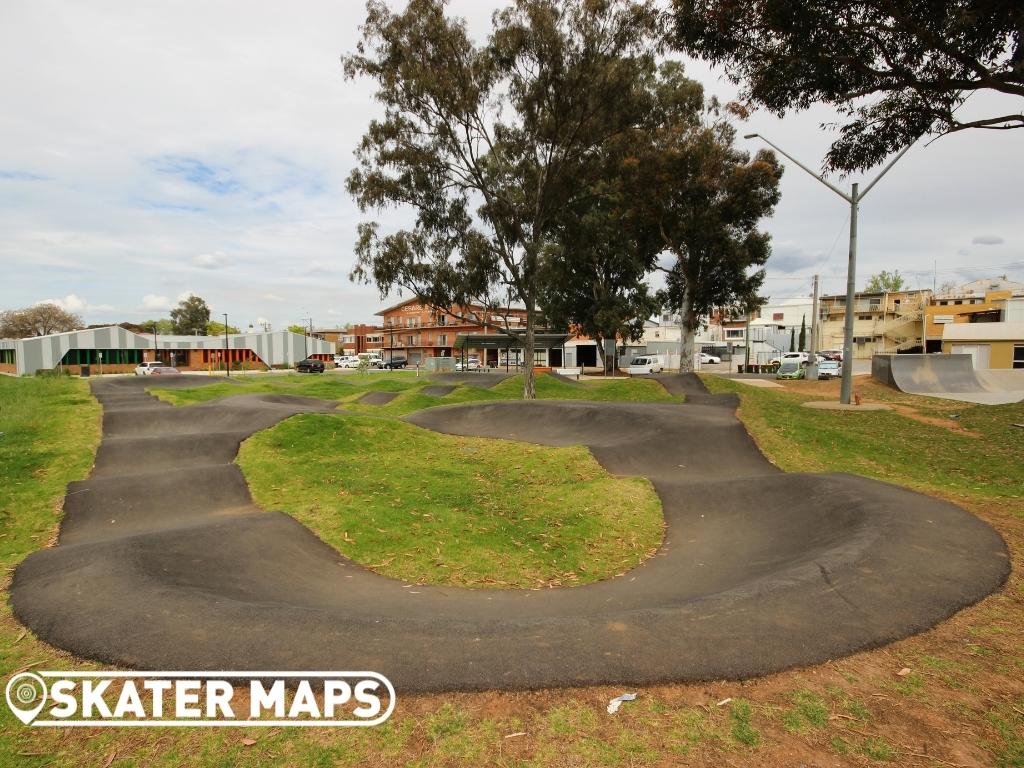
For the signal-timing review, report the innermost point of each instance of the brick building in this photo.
(416, 332)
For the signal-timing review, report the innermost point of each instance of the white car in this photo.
(349, 361)
(803, 357)
(146, 368)
(645, 365)
(472, 364)
(706, 359)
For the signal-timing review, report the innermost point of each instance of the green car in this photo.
(790, 369)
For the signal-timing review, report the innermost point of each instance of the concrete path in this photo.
(163, 562)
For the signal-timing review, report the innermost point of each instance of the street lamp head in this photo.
(752, 136)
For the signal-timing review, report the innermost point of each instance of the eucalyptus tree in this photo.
(705, 198)
(484, 147)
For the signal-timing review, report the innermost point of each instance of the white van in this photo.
(646, 364)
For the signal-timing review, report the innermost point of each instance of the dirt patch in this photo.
(935, 421)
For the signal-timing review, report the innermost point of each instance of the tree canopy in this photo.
(191, 316)
(886, 282)
(213, 328)
(897, 70)
(488, 145)
(37, 320)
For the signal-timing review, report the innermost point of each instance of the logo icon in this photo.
(26, 695)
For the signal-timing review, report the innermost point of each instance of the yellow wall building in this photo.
(992, 345)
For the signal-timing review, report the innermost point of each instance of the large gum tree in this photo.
(483, 146)
(705, 198)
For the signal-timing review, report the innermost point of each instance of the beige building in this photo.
(884, 323)
(992, 345)
(982, 301)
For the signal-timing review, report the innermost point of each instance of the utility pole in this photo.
(814, 332)
(746, 340)
(854, 198)
(227, 363)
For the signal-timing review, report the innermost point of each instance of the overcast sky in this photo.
(151, 149)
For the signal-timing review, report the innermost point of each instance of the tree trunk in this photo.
(529, 387)
(687, 332)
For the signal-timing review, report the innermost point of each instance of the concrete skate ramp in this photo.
(951, 377)
(166, 564)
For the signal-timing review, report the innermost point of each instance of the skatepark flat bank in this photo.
(164, 562)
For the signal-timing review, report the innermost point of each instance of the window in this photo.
(7, 356)
(734, 333)
(778, 315)
(1018, 355)
(442, 340)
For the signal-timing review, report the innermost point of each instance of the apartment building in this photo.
(416, 331)
(884, 323)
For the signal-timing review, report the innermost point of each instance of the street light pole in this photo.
(227, 363)
(854, 198)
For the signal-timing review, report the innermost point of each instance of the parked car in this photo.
(373, 359)
(831, 354)
(146, 368)
(472, 364)
(395, 363)
(648, 364)
(163, 370)
(309, 365)
(803, 357)
(348, 361)
(790, 368)
(706, 359)
(829, 369)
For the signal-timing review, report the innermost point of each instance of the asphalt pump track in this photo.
(164, 562)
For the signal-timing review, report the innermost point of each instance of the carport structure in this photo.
(509, 341)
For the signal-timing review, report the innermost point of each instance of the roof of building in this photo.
(512, 340)
(981, 287)
(983, 332)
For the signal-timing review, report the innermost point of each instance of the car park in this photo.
(706, 359)
(146, 368)
(309, 365)
(790, 368)
(829, 369)
(645, 364)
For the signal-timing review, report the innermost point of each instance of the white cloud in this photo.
(184, 296)
(988, 240)
(76, 304)
(154, 303)
(272, 297)
(215, 260)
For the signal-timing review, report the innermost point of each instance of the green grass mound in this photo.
(431, 508)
